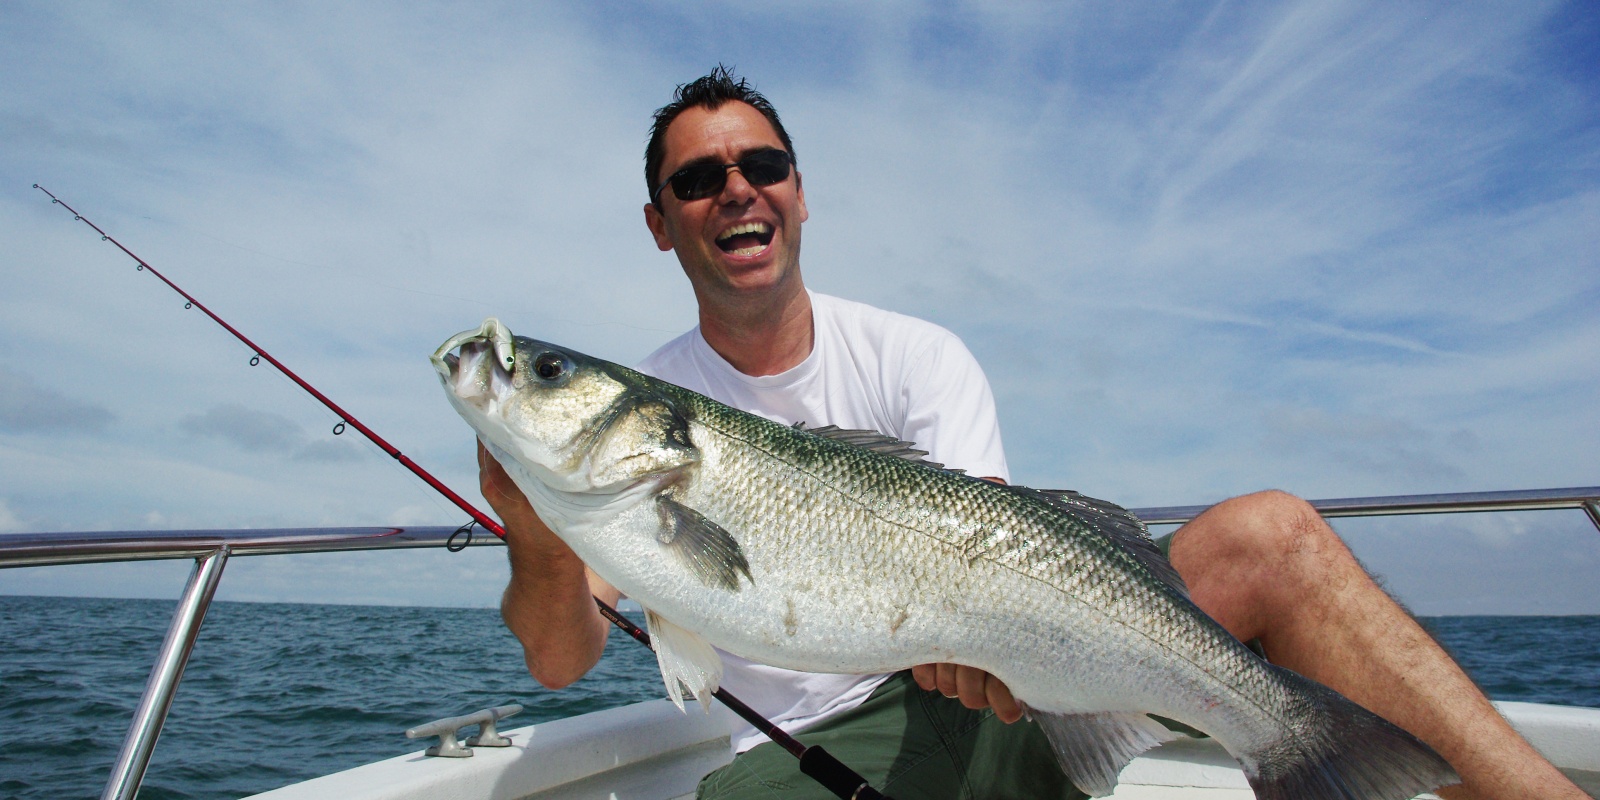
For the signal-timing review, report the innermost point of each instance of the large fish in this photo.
(828, 551)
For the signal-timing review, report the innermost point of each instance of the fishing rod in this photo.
(815, 762)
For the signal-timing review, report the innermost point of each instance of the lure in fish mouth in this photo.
(481, 373)
(573, 423)
(836, 551)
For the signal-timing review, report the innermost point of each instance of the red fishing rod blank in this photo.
(814, 761)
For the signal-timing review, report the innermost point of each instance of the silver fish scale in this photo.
(880, 538)
(813, 554)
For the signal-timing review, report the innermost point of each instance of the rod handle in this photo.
(835, 776)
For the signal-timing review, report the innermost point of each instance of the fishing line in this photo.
(814, 761)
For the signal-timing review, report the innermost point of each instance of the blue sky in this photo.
(1334, 248)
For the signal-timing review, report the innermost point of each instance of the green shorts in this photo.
(910, 745)
(1165, 545)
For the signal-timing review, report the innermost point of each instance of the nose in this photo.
(736, 190)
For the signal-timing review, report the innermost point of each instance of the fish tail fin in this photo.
(1341, 751)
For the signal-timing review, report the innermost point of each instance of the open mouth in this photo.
(746, 238)
(476, 365)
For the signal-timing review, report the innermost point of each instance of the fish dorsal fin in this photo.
(1093, 748)
(880, 443)
(688, 661)
(705, 547)
(1118, 525)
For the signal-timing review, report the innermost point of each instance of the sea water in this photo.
(278, 693)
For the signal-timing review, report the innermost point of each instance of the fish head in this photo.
(577, 424)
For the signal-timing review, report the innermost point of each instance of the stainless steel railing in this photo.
(211, 550)
(45, 549)
(1586, 498)
(134, 756)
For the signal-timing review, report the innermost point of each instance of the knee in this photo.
(1252, 560)
(1265, 528)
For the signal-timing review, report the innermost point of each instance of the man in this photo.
(727, 199)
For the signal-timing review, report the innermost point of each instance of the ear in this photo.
(657, 224)
(800, 194)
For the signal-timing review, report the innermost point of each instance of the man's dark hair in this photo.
(709, 92)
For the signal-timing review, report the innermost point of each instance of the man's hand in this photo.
(976, 688)
(548, 604)
(504, 497)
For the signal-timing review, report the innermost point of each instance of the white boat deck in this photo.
(649, 751)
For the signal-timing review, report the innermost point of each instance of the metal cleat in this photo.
(447, 728)
(487, 736)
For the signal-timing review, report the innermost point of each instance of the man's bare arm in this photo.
(549, 603)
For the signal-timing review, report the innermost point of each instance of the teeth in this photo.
(742, 228)
(746, 251)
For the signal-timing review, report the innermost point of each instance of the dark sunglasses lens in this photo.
(703, 180)
(693, 183)
(765, 168)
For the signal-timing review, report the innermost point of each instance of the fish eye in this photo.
(549, 366)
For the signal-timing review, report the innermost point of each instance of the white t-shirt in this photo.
(868, 369)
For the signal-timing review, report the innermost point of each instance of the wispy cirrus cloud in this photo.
(1201, 249)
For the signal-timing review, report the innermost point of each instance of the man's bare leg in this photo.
(1268, 567)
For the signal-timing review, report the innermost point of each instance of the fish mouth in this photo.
(477, 364)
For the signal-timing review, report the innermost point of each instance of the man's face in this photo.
(744, 239)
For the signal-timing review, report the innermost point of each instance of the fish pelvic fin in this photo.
(703, 546)
(1093, 748)
(688, 662)
(1341, 751)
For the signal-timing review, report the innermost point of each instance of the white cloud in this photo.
(9, 523)
(28, 407)
(1200, 249)
(1371, 443)
(245, 428)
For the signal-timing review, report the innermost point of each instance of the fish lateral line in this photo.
(987, 548)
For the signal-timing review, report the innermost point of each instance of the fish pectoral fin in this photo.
(1093, 748)
(709, 551)
(687, 660)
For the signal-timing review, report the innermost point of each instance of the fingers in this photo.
(493, 481)
(1006, 707)
(975, 688)
(508, 501)
(969, 687)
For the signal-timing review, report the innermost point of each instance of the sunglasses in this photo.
(761, 168)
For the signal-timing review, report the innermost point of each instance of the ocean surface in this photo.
(277, 693)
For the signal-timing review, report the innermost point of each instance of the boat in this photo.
(651, 750)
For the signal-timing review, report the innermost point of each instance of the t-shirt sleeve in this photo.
(950, 409)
